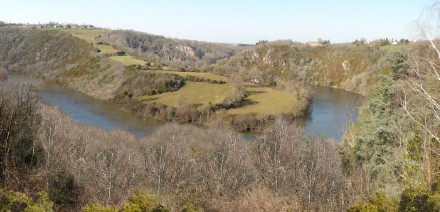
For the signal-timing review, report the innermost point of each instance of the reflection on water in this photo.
(331, 110)
(86, 110)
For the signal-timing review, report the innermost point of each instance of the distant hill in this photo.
(169, 51)
(57, 55)
(347, 66)
(24, 49)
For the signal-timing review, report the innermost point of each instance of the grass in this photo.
(195, 74)
(193, 93)
(127, 60)
(88, 35)
(268, 101)
(106, 49)
(392, 47)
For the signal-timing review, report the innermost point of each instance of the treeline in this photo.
(151, 84)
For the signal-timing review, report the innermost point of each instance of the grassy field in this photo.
(268, 101)
(88, 35)
(127, 60)
(193, 93)
(195, 74)
(392, 47)
(106, 49)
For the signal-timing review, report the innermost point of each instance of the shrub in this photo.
(363, 207)
(94, 207)
(151, 84)
(378, 202)
(416, 199)
(15, 201)
(120, 53)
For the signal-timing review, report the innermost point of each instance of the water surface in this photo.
(87, 110)
(332, 109)
(329, 114)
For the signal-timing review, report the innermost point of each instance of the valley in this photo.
(97, 119)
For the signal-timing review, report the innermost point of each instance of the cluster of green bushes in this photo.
(15, 201)
(102, 43)
(201, 79)
(143, 84)
(140, 201)
(411, 199)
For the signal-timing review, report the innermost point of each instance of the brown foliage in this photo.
(18, 121)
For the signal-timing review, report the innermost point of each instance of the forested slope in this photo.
(56, 55)
(350, 67)
(168, 51)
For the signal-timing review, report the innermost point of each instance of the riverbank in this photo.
(330, 111)
(160, 92)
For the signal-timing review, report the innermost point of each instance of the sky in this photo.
(232, 21)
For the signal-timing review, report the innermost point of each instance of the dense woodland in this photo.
(388, 161)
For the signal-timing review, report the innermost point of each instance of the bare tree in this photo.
(308, 168)
(421, 91)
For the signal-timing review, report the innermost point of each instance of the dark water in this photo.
(331, 110)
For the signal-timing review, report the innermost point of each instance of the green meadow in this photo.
(268, 101)
(201, 94)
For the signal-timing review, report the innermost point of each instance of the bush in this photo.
(378, 202)
(151, 84)
(120, 53)
(416, 199)
(188, 207)
(15, 201)
(94, 207)
(138, 202)
(363, 207)
(18, 124)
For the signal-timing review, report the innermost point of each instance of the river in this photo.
(330, 111)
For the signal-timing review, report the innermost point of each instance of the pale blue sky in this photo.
(232, 21)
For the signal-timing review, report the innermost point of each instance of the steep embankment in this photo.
(56, 55)
(349, 67)
(40, 52)
(171, 52)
